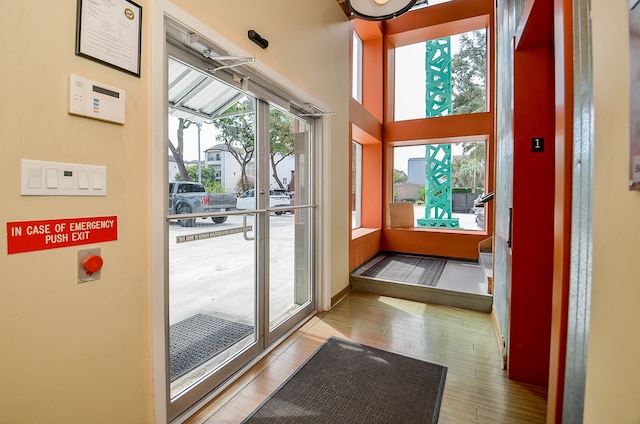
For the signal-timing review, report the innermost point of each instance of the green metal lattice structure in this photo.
(438, 198)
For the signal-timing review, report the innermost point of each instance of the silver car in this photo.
(277, 198)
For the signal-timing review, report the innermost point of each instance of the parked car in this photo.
(478, 207)
(277, 198)
(190, 197)
(478, 210)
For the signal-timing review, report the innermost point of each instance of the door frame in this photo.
(157, 181)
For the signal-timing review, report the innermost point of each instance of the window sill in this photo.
(438, 230)
(361, 232)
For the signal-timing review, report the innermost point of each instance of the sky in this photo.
(410, 77)
(411, 88)
(401, 155)
(207, 138)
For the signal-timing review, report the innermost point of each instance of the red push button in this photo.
(93, 264)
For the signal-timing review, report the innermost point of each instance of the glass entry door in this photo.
(239, 230)
(290, 237)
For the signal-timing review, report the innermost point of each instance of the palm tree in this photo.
(470, 169)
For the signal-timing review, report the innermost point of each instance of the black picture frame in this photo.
(110, 33)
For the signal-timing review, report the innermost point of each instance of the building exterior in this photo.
(415, 167)
(173, 169)
(227, 169)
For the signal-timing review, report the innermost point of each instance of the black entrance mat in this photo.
(197, 339)
(346, 382)
(421, 270)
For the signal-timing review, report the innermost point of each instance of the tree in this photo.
(208, 178)
(422, 194)
(469, 74)
(399, 177)
(468, 170)
(237, 132)
(281, 140)
(178, 151)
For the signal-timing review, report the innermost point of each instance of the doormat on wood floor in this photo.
(421, 270)
(346, 382)
(195, 340)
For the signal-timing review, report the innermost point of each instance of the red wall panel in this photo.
(532, 224)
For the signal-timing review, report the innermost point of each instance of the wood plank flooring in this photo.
(477, 390)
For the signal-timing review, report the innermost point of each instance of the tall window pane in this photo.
(356, 185)
(442, 181)
(356, 76)
(445, 76)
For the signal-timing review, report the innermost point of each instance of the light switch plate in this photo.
(40, 178)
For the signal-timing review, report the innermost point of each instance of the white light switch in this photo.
(39, 178)
(35, 177)
(52, 178)
(96, 181)
(83, 180)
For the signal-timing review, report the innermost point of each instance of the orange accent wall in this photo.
(364, 125)
(366, 129)
(438, 20)
(563, 47)
(365, 244)
(458, 244)
(372, 79)
(371, 177)
(455, 17)
(441, 128)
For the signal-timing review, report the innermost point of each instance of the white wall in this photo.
(231, 172)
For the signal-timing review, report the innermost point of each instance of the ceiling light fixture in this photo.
(378, 10)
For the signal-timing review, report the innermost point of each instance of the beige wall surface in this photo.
(82, 352)
(613, 370)
(71, 352)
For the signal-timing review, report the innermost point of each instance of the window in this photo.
(356, 185)
(214, 156)
(442, 181)
(440, 77)
(356, 61)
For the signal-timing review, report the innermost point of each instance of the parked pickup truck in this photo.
(189, 197)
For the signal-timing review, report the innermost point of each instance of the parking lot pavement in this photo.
(216, 275)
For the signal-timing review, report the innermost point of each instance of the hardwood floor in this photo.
(477, 390)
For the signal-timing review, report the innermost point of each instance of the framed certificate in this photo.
(109, 32)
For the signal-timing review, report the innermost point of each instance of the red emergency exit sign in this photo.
(29, 236)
